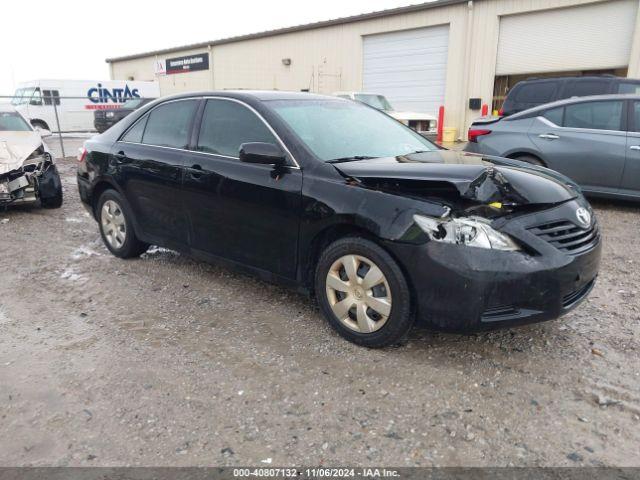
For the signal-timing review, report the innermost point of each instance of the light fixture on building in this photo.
(286, 62)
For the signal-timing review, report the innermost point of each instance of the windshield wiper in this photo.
(350, 159)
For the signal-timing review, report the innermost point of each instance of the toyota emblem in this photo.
(583, 216)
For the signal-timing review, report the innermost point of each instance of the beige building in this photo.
(422, 56)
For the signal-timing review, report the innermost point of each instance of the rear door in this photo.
(150, 161)
(631, 176)
(244, 212)
(585, 141)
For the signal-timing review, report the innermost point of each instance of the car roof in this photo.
(7, 107)
(262, 95)
(576, 77)
(569, 101)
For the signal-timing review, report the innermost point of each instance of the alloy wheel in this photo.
(113, 224)
(358, 293)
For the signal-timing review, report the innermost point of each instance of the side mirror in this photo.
(43, 132)
(262, 153)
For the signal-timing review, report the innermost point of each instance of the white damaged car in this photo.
(27, 171)
(423, 123)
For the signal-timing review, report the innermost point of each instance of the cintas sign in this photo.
(188, 63)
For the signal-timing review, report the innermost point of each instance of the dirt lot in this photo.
(166, 361)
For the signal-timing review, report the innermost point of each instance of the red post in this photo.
(485, 110)
(440, 123)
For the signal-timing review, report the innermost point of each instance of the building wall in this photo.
(328, 59)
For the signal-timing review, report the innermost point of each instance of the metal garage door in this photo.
(408, 67)
(589, 37)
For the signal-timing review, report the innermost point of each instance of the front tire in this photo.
(116, 226)
(363, 293)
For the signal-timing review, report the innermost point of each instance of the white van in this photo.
(76, 100)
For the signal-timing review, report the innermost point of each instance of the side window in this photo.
(584, 88)
(46, 94)
(134, 135)
(594, 115)
(56, 96)
(226, 125)
(168, 125)
(636, 116)
(36, 99)
(554, 115)
(629, 88)
(536, 93)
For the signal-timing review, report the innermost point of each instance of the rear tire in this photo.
(115, 221)
(531, 159)
(363, 293)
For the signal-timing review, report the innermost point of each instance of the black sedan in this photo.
(342, 201)
(105, 119)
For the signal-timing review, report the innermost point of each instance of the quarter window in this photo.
(226, 125)
(134, 135)
(629, 88)
(168, 125)
(594, 115)
(536, 92)
(554, 115)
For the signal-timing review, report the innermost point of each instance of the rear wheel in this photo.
(116, 226)
(363, 294)
(533, 160)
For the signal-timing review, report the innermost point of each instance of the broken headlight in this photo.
(471, 231)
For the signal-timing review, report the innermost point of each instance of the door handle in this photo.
(195, 171)
(634, 147)
(549, 136)
(120, 157)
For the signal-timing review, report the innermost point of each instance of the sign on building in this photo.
(189, 63)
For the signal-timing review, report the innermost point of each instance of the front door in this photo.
(247, 213)
(631, 176)
(150, 162)
(585, 141)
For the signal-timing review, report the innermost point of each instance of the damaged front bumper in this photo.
(36, 179)
(459, 288)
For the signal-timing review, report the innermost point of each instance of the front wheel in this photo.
(116, 226)
(363, 293)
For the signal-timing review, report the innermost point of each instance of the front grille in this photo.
(568, 237)
(574, 297)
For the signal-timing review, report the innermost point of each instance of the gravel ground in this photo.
(166, 361)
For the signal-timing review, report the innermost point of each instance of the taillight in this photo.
(82, 153)
(474, 133)
(501, 112)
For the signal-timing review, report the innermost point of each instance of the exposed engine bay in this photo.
(31, 179)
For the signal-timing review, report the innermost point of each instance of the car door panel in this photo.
(594, 158)
(151, 178)
(631, 176)
(247, 213)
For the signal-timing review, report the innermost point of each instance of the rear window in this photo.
(536, 93)
(584, 88)
(594, 115)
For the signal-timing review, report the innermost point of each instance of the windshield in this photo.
(134, 103)
(335, 129)
(13, 122)
(22, 95)
(376, 101)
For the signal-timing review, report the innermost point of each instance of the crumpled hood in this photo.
(411, 115)
(476, 177)
(15, 148)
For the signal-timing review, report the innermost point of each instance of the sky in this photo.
(70, 39)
